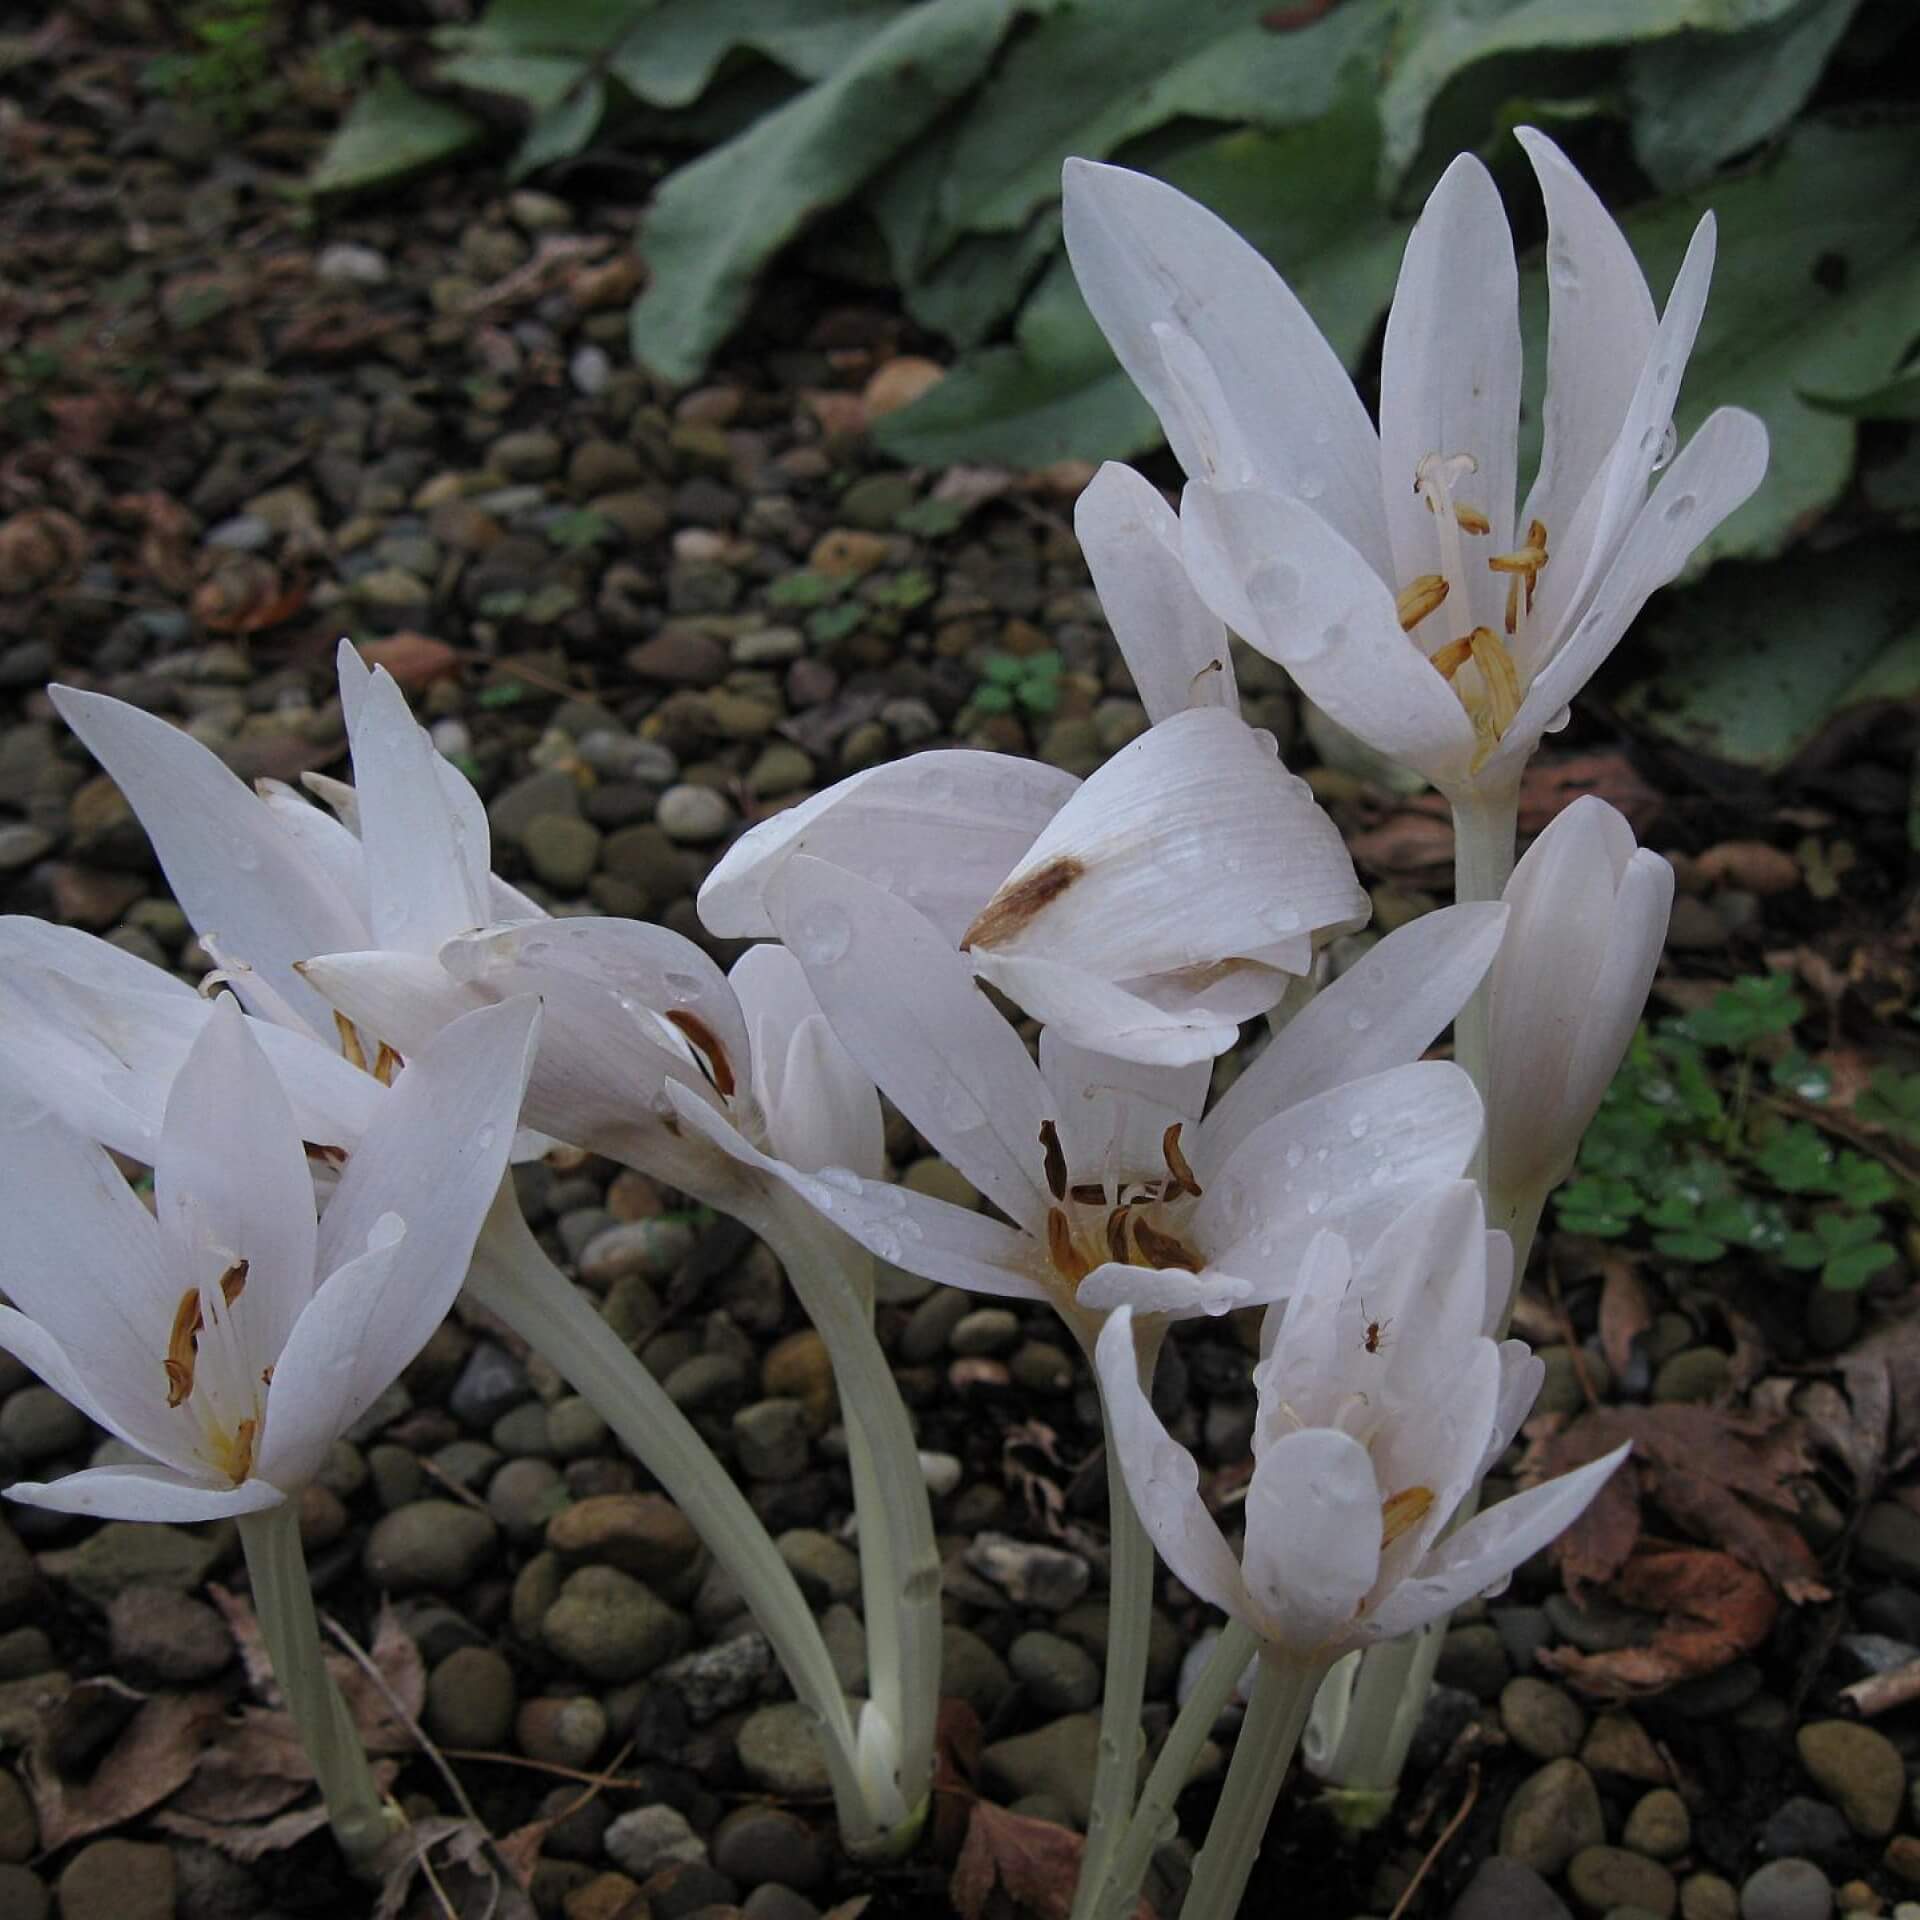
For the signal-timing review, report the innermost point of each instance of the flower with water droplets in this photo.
(1144, 912)
(1383, 1399)
(1112, 1183)
(1589, 919)
(227, 1335)
(1389, 570)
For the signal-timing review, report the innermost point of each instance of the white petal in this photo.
(130, 1405)
(1584, 549)
(1599, 333)
(1096, 1014)
(426, 844)
(26, 941)
(929, 1237)
(1146, 255)
(401, 998)
(233, 868)
(1716, 471)
(941, 829)
(905, 1007)
(1450, 380)
(1192, 846)
(1163, 1478)
(436, 1151)
(231, 1183)
(368, 1319)
(1346, 1160)
(1175, 648)
(1326, 617)
(322, 839)
(1384, 1011)
(1484, 1553)
(1313, 1535)
(1171, 1291)
(1635, 942)
(1114, 1113)
(1522, 1374)
(144, 1493)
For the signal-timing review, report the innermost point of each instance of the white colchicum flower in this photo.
(1388, 570)
(226, 1335)
(1113, 1185)
(1382, 1401)
(1144, 912)
(1588, 922)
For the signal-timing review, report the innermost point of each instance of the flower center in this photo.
(209, 1375)
(1478, 663)
(1136, 1222)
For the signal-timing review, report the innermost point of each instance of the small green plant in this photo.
(229, 70)
(1692, 1148)
(1007, 680)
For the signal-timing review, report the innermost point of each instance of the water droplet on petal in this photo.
(484, 1136)
(1296, 1155)
(1274, 586)
(1311, 486)
(822, 935)
(1679, 508)
(1359, 1019)
(1359, 1126)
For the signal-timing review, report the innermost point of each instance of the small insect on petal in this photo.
(1401, 1511)
(706, 1043)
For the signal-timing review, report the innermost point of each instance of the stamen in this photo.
(1183, 1180)
(1117, 1234)
(1524, 564)
(356, 1054)
(1433, 481)
(239, 1462)
(1419, 597)
(1067, 1258)
(1088, 1193)
(386, 1063)
(1470, 519)
(706, 1043)
(1402, 1511)
(1448, 660)
(1164, 1251)
(324, 1156)
(1054, 1159)
(1496, 666)
(182, 1347)
(233, 1283)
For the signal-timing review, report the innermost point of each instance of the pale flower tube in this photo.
(1588, 919)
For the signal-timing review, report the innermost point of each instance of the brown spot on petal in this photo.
(706, 1043)
(1016, 906)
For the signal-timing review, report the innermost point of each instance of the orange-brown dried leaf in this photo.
(1626, 1309)
(154, 1753)
(1035, 1863)
(1549, 786)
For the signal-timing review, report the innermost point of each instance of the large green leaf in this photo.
(390, 132)
(1760, 660)
(1095, 73)
(672, 57)
(1698, 99)
(714, 224)
(1441, 40)
(1304, 197)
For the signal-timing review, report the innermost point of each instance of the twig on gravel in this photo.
(1434, 1852)
(1882, 1692)
(609, 1781)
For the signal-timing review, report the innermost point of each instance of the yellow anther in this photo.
(1402, 1511)
(1068, 1261)
(1524, 563)
(1496, 666)
(1470, 519)
(1418, 598)
(350, 1047)
(236, 1455)
(1448, 660)
(182, 1347)
(386, 1063)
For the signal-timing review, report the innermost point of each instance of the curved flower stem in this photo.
(1153, 1818)
(512, 1277)
(1129, 1629)
(283, 1602)
(1282, 1692)
(899, 1562)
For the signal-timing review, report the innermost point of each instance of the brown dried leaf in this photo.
(156, 1753)
(1713, 1611)
(1410, 844)
(1548, 786)
(1033, 1862)
(1882, 1376)
(1626, 1310)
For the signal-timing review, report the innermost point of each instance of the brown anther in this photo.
(1419, 597)
(240, 1461)
(266, 1374)
(1117, 1234)
(1163, 1250)
(1212, 666)
(1067, 1258)
(1088, 1193)
(386, 1063)
(1470, 519)
(233, 1283)
(350, 1047)
(1401, 1511)
(181, 1349)
(1016, 904)
(1448, 660)
(325, 1156)
(706, 1043)
(1054, 1159)
(1183, 1180)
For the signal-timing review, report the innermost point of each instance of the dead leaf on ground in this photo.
(1882, 1379)
(1626, 1309)
(1549, 786)
(1723, 1476)
(1409, 845)
(155, 1753)
(1035, 1863)
(1712, 1610)
(459, 1857)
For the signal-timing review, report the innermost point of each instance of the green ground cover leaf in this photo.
(392, 131)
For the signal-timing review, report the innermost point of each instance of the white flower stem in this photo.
(1283, 1690)
(283, 1603)
(1129, 1631)
(1153, 1819)
(1390, 1689)
(512, 1277)
(899, 1562)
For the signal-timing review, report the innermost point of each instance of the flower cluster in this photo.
(327, 1161)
